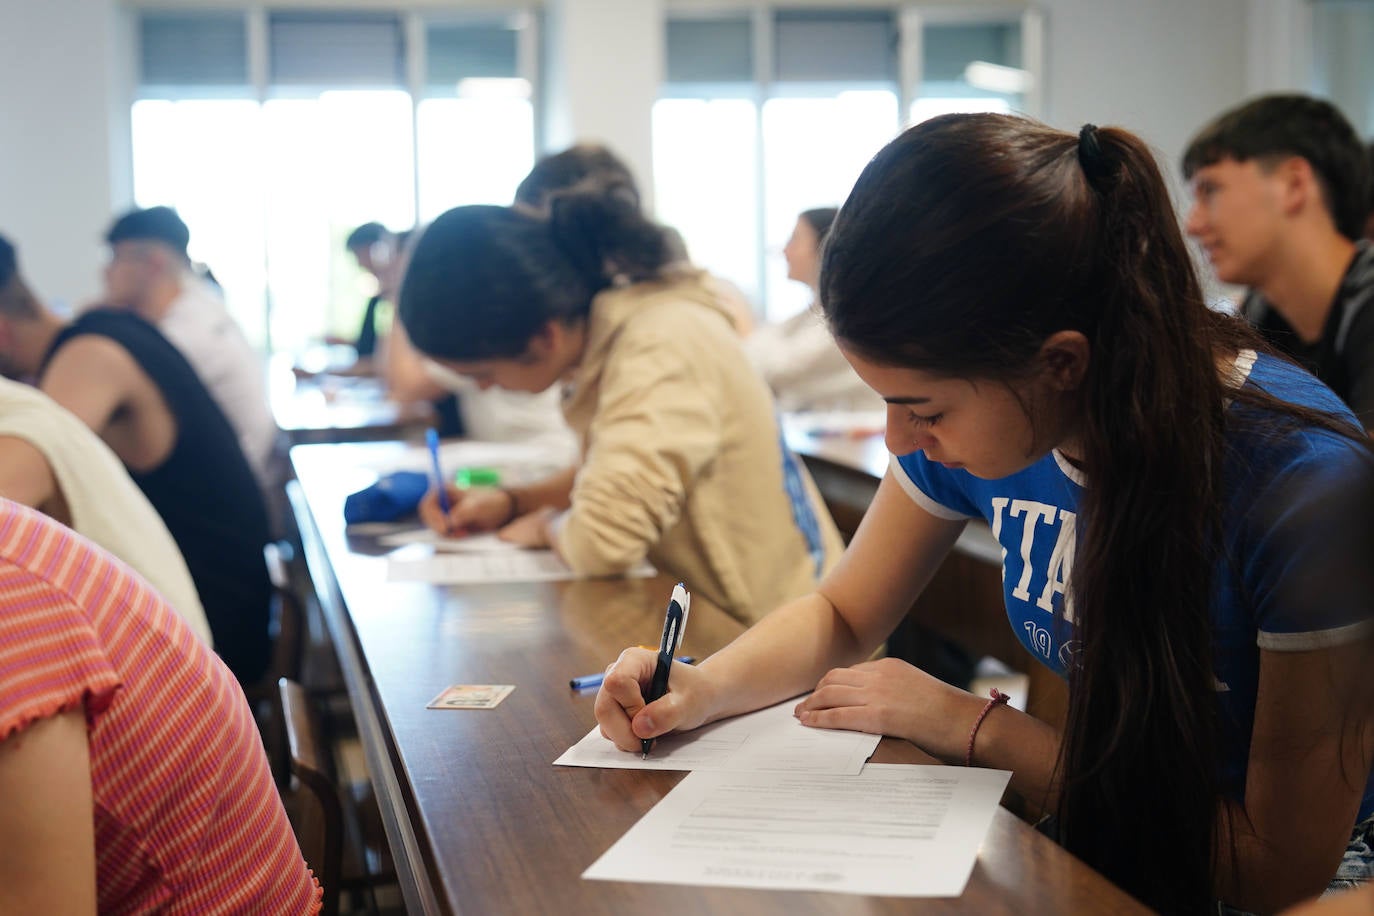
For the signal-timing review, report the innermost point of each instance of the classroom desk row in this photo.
(336, 408)
(478, 818)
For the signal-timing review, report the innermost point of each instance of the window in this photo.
(205, 157)
(765, 115)
(274, 141)
(476, 121)
(970, 67)
(1343, 71)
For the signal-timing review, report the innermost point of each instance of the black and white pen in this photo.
(674, 623)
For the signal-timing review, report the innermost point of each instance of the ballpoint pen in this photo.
(432, 440)
(674, 623)
(585, 681)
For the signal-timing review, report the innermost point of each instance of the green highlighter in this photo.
(477, 477)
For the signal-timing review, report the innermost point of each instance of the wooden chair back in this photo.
(312, 799)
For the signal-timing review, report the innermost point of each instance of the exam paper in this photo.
(472, 543)
(507, 564)
(768, 739)
(893, 830)
(513, 459)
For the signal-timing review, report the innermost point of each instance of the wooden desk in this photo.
(478, 818)
(331, 408)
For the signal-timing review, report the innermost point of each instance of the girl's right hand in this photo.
(471, 510)
(622, 714)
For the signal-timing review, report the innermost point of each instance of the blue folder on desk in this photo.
(391, 497)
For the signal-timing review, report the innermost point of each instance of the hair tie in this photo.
(1093, 159)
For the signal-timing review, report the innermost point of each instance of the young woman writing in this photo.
(681, 459)
(1023, 300)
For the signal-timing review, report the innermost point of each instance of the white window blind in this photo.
(353, 50)
(710, 51)
(458, 52)
(948, 49)
(835, 47)
(192, 49)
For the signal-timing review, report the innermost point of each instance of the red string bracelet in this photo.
(998, 698)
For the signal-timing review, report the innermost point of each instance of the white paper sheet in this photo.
(893, 830)
(473, 543)
(489, 566)
(517, 462)
(770, 739)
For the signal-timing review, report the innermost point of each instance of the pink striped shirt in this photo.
(187, 819)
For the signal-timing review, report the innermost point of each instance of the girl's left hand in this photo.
(892, 697)
(530, 531)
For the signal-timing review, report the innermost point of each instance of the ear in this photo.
(547, 340)
(160, 257)
(1063, 359)
(1298, 187)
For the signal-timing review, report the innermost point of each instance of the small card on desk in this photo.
(471, 696)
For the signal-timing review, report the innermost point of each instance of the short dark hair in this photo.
(16, 300)
(571, 167)
(819, 219)
(9, 262)
(1275, 126)
(482, 281)
(1369, 213)
(365, 236)
(155, 224)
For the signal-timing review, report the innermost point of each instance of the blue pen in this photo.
(594, 680)
(432, 440)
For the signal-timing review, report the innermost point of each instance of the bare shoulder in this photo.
(93, 376)
(91, 355)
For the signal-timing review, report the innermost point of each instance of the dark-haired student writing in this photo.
(681, 459)
(1024, 301)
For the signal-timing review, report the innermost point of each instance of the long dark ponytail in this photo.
(1143, 697)
(482, 281)
(967, 242)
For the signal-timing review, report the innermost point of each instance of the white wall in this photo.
(1161, 68)
(1279, 51)
(64, 138)
(603, 68)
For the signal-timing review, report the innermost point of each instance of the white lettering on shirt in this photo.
(1033, 511)
(998, 504)
(1061, 562)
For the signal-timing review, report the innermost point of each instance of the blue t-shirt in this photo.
(1033, 515)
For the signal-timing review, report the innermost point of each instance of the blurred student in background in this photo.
(137, 392)
(374, 247)
(584, 162)
(51, 462)
(681, 461)
(149, 273)
(798, 358)
(1281, 193)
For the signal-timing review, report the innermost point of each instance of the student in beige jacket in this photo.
(681, 457)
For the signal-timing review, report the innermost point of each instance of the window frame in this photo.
(414, 22)
(908, 22)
